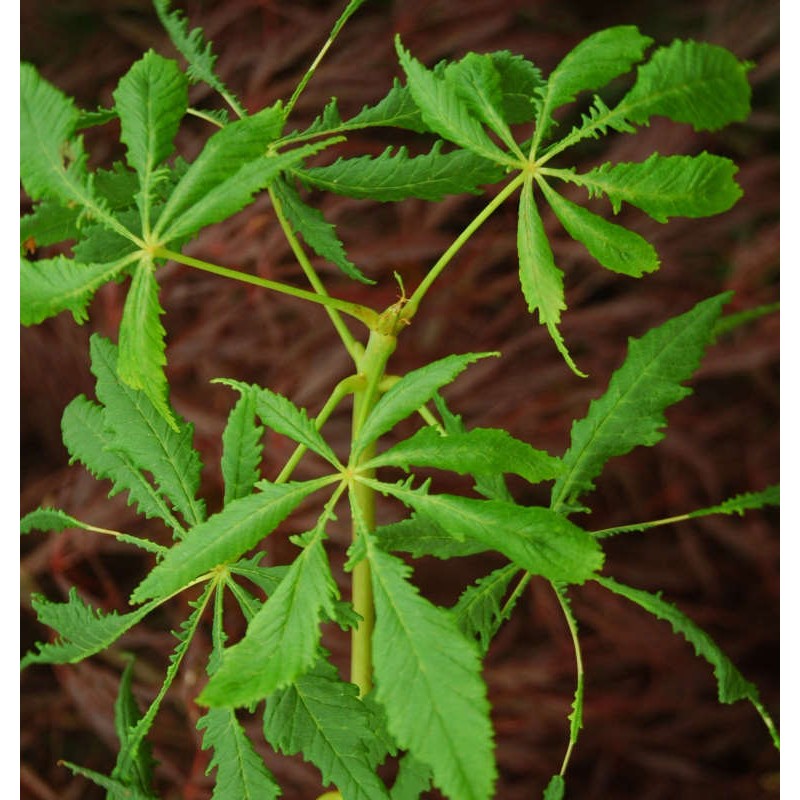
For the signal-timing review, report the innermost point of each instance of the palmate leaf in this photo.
(667, 186)
(475, 452)
(631, 412)
(241, 772)
(150, 100)
(444, 112)
(141, 341)
(282, 638)
(427, 677)
(394, 175)
(322, 717)
(536, 539)
(615, 247)
(89, 440)
(411, 392)
(731, 684)
(82, 630)
(207, 183)
(50, 286)
(542, 282)
(592, 64)
(283, 416)
(225, 536)
(318, 233)
(241, 446)
(145, 437)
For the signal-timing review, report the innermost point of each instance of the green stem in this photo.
(366, 315)
(413, 302)
(348, 340)
(371, 368)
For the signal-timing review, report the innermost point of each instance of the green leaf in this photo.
(478, 612)
(555, 788)
(396, 175)
(282, 639)
(241, 772)
(89, 440)
(126, 716)
(323, 718)
(55, 520)
(411, 392)
(151, 100)
(536, 539)
(734, 505)
(225, 536)
(48, 519)
(241, 446)
(615, 247)
(477, 84)
(141, 434)
(413, 778)
(318, 233)
(129, 751)
(542, 282)
(631, 412)
(428, 679)
(118, 789)
(731, 684)
(693, 82)
(232, 165)
(82, 630)
(592, 64)
(283, 416)
(193, 47)
(667, 186)
(520, 84)
(475, 452)
(444, 112)
(141, 341)
(52, 161)
(423, 537)
(396, 110)
(50, 286)
(48, 223)
(51, 164)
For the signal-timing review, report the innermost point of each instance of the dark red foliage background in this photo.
(653, 729)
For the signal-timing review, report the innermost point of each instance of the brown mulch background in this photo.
(653, 729)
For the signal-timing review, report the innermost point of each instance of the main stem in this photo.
(372, 367)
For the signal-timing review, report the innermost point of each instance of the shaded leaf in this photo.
(322, 717)
(428, 680)
(241, 446)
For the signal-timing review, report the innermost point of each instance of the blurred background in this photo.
(653, 728)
